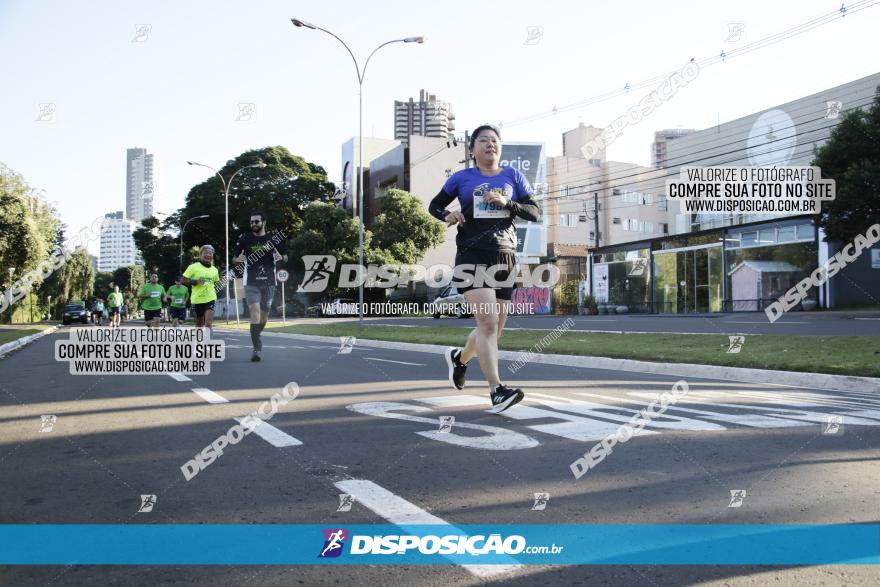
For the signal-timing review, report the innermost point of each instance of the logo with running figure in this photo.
(334, 541)
(319, 268)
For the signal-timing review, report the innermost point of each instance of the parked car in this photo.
(450, 302)
(75, 313)
(293, 309)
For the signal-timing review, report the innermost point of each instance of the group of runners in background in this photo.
(256, 253)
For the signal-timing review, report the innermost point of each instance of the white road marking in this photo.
(209, 396)
(402, 513)
(265, 346)
(273, 435)
(573, 427)
(665, 421)
(179, 377)
(761, 322)
(867, 318)
(495, 438)
(390, 361)
(452, 401)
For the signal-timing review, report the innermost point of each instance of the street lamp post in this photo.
(182, 228)
(9, 287)
(359, 196)
(226, 186)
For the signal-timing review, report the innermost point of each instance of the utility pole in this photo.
(467, 158)
(596, 216)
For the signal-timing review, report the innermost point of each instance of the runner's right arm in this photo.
(437, 209)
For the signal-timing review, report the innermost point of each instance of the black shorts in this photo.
(151, 314)
(200, 309)
(488, 259)
(179, 313)
(113, 311)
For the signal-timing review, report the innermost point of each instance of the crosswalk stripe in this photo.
(402, 513)
(273, 435)
(209, 396)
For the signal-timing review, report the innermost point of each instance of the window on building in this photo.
(805, 231)
(615, 220)
(664, 228)
(749, 238)
(785, 233)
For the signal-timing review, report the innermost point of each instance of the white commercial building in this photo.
(117, 244)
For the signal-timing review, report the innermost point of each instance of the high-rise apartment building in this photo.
(141, 185)
(429, 117)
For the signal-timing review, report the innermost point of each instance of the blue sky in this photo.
(175, 92)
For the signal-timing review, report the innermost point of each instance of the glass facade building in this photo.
(737, 268)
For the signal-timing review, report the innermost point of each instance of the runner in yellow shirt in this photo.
(203, 277)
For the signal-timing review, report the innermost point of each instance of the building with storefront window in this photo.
(736, 268)
(743, 262)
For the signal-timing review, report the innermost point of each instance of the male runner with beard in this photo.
(259, 251)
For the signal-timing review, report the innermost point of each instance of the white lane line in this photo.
(760, 322)
(454, 401)
(273, 435)
(402, 513)
(179, 377)
(209, 396)
(390, 361)
(867, 318)
(265, 346)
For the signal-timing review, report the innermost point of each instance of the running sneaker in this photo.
(255, 358)
(503, 397)
(456, 367)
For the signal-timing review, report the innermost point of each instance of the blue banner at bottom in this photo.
(609, 544)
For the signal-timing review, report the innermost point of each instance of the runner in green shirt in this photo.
(114, 303)
(203, 277)
(177, 296)
(151, 295)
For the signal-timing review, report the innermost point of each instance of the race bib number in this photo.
(483, 209)
(154, 294)
(178, 300)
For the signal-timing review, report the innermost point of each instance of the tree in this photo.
(28, 225)
(851, 157)
(282, 190)
(103, 280)
(405, 228)
(161, 253)
(76, 278)
(129, 279)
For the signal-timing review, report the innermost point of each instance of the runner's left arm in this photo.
(522, 204)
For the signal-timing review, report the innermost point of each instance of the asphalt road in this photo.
(367, 424)
(796, 323)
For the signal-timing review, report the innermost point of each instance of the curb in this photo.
(11, 346)
(817, 381)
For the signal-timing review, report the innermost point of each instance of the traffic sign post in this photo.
(282, 275)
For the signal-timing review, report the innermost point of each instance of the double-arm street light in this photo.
(359, 196)
(182, 228)
(226, 186)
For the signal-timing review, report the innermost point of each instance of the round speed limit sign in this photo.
(282, 275)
